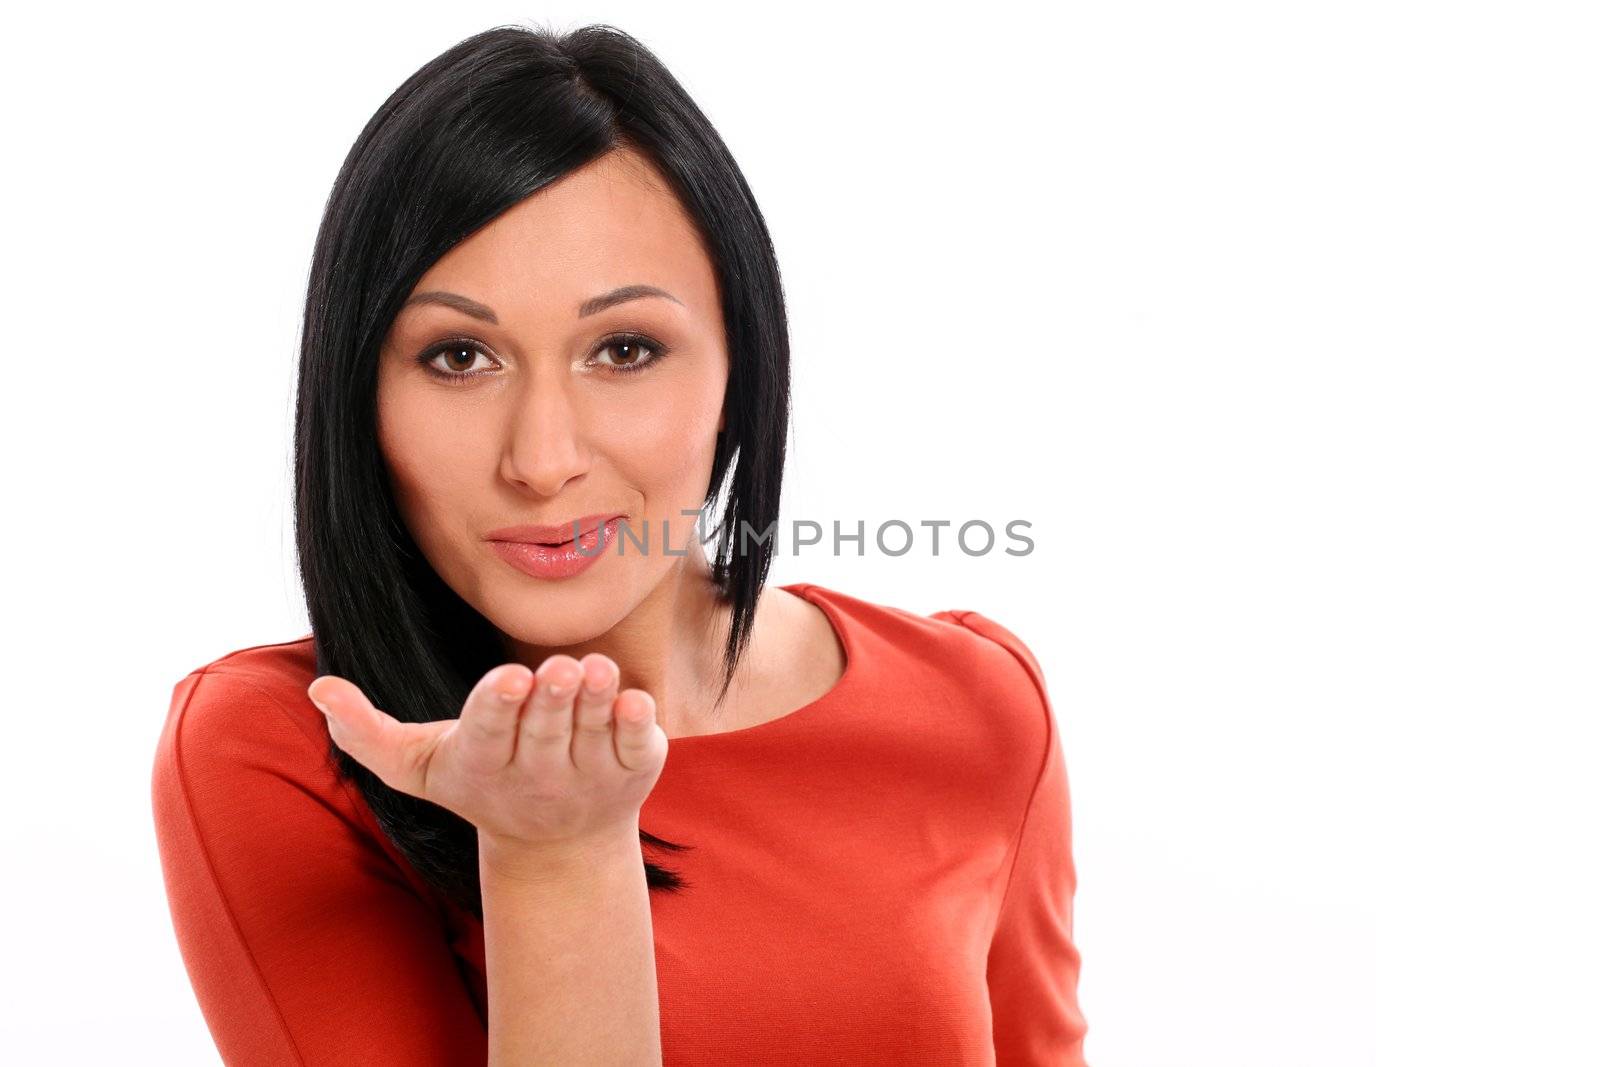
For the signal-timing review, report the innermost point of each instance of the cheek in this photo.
(426, 463)
(667, 444)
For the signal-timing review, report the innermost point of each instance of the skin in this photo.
(552, 767)
(551, 430)
(540, 426)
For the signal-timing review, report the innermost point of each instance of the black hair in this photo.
(474, 131)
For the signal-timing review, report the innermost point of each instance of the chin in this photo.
(565, 613)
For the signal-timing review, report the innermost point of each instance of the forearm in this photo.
(570, 955)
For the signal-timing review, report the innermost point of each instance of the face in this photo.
(525, 407)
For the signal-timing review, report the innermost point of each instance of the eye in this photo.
(624, 353)
(453, 351)
(634, 352)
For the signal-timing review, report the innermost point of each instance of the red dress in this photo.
(883, 876)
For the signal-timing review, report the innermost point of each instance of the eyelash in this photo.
(658, 352)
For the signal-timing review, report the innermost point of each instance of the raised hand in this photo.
(555, 758)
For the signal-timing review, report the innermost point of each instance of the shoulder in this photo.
(278, 663)
(242, 723)
(248, 696)
(244, 764)
(973, 684)
(975, 639)
(955, 655)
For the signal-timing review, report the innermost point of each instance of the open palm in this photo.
(552, 757)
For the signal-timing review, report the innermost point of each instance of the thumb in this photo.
(397, 752)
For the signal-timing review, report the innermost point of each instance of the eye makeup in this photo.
(625, 339)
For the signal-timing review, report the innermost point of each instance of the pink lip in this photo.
(558, 561)
(558, 534)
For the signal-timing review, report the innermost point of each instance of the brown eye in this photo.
(457, 359)
(630, 352)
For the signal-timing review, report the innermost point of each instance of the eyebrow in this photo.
(592, 306)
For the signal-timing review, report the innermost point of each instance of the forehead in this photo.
(613, 222)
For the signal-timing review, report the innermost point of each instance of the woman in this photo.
(544, 328)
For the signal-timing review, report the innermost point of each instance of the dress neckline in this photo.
(805, 713)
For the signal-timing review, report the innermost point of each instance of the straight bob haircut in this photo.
(486, 124)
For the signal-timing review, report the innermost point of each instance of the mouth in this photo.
(551, 560)
(554, 535)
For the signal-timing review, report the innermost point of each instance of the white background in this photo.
(1277, 320)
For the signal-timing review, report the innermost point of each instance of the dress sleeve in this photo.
(304, 942)
(1033, 962)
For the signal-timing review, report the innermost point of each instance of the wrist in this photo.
(514, 860)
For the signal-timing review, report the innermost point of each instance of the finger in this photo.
(640, 742)
(544, 738)
(488, 720)
(592, 748)
(397, 752)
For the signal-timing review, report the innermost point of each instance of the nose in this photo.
(543, 449)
